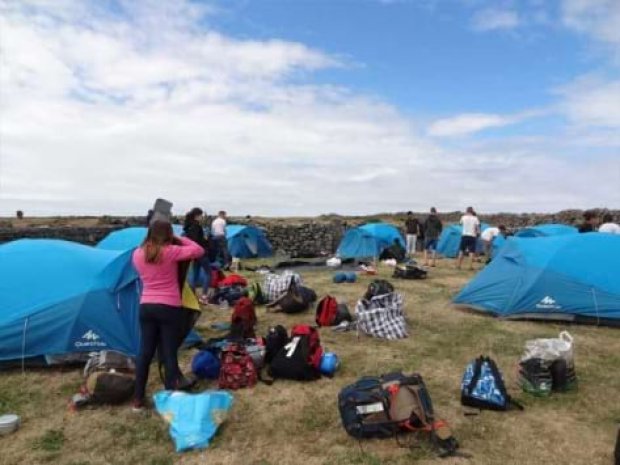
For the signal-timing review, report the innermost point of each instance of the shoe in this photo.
(138, 406)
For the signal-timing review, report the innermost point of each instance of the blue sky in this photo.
(306, 107)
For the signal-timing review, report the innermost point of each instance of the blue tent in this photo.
(546, 230)
(247, 242)
(369, 240)
(450, 240)
(570, 277)
(62, 297)
(129, 238)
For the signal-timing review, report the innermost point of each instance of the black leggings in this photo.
(159, 325)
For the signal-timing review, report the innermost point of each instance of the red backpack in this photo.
(238, 369)
(233, 280)
(243, 319)
(326, 311)
(314, 343)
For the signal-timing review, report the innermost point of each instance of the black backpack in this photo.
(378, 287)
(409, 271)
(294, 300)
(386, 406)
(277, 337)
(299, 359)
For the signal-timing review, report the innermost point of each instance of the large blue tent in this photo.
(546, 230)
(247, 242)
(450, 240)
(369, 240)
(61, 297)
(571, 277)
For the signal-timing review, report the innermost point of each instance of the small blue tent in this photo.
(450, 240)
(247, 242)
(60, 297)
(572, 277)
(546, 230)
(129, 238)
(369, 240)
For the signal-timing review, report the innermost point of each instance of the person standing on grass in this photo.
(471, 228)
(432, 230)
(193, 230)
(488, 236)
(608, 225)
(156, 261)
(218, 234)
(412, 228)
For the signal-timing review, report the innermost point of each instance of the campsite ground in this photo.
(294, 423)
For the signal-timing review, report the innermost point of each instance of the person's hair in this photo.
(470, 210)
(221, 213)
(607, 218)
(588, 215)
(433, 210)
(191, 215)
(159, 235)
(409, 213)
(501, 227)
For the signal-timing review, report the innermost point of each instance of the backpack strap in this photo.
(510, 402)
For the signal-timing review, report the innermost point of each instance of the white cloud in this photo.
(103, 111)
(592, 101)
(597, 18)
(469, 123)
(494, 18)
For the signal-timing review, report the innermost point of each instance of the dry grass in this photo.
(295, 423)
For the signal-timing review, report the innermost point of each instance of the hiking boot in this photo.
(138, 406)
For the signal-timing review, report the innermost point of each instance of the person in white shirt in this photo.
(471, 229)
(220, 244)
(608, 225)
(488, 235)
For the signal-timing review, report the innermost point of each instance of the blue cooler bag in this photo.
(193, 418)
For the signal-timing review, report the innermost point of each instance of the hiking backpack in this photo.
(255, 293)
(300, 358)
(483, 387)
(238, 369)
(409, 271)
(386, 406)
(292, 301)
(330, 313)
(277, 337)
(378, 287)
(109, 379)
(243, 319)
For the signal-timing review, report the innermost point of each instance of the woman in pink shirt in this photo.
(157, 264)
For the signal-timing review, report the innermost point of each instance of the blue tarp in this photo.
(569, 277)
(247, 242)
(369, 240)
(450, 240)
(60, 297)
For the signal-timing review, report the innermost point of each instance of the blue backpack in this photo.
(483, 387)
(206, 365)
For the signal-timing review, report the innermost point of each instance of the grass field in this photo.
(297, 423)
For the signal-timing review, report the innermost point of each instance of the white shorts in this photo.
(412, 239)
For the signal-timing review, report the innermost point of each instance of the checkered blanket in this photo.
(382, 316)
(276, 285)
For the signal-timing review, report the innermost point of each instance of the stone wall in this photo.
(295, 238)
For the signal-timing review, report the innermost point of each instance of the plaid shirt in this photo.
(276, 285)
(382, 316)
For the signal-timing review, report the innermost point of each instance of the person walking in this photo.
(193, 230)
(471, 229)
(412, 228)
(156, 262)
(432, 230)
(220, 243)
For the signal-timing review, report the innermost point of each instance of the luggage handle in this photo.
(566, 337)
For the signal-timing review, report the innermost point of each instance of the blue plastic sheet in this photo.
(194, 418)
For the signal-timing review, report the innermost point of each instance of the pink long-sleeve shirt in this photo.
(160, 283)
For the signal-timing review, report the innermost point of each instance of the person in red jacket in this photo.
(156, 261)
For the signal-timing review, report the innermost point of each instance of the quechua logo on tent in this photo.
(548, 303)
(90, 339)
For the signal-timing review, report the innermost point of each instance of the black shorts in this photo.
(468, 244)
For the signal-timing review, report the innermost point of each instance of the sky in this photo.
(298, 107)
